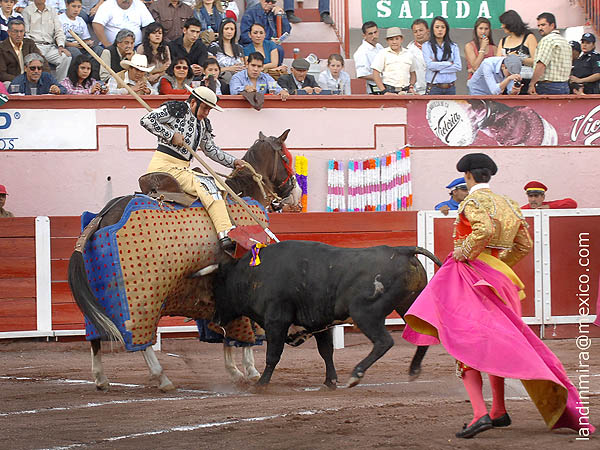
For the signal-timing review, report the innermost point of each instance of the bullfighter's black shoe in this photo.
(484, 423)
(502, 421)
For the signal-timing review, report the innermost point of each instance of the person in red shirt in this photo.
(536, 194)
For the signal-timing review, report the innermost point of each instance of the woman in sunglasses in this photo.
(177, 76)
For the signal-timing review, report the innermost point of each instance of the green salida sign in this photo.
(458, 13)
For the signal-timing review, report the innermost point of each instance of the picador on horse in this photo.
(177, 122)
(123, 294)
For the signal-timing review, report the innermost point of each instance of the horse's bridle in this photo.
(285, 187)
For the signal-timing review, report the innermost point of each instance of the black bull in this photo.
(313, 285)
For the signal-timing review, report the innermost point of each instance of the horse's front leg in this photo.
(230, 367)
(100, 379)
(248, 361)
(156, 370)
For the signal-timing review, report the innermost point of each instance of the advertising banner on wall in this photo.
(506, 123)
(44, 129)
(459, 13)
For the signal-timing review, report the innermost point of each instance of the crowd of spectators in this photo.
(207, 42)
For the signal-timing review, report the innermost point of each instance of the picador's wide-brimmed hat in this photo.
(138, 61)
(205, 95)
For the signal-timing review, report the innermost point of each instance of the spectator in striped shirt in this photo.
(552, 62)
(79, 79)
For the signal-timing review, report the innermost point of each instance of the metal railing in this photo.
(592, 12)
(339, 14)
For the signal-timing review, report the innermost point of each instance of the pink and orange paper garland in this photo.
(381, 183)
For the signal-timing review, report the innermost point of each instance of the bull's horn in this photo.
(205, 271)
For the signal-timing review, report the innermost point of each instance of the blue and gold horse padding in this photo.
(138, 268)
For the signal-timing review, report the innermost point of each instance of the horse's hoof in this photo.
(258, 388)
(102, 387)
(353, 381)
(167, 387)
(253, 377)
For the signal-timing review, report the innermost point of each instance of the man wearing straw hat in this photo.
(135, 75)
(177, 122)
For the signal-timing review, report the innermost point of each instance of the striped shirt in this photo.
(555, 53)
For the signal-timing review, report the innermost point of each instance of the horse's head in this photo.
(270, 157)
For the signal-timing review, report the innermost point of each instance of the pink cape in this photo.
(475, 312)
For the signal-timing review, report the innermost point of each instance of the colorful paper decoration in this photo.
(375, 184)
(301, 165)
(336, 198)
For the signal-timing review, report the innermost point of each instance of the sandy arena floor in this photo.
(47, 400)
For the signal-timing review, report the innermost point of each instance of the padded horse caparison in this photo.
(161, 185)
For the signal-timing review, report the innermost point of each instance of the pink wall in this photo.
(71, 181)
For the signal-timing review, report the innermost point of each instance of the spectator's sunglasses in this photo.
(180, 67)
(271, 1)
(35, 68)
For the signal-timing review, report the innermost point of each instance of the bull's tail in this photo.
(431, 256)
(80, 287)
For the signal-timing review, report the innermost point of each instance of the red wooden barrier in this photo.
(17, 274)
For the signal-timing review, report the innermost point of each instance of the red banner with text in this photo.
(509, 122)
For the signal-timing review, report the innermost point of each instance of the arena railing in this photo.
(592, 12)
(339, 14)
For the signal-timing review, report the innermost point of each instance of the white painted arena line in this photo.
(112, 402)
(196, 427)
(138, 386)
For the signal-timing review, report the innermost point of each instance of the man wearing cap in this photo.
(176, 122)
(552, 61)
(586, 69)
(365, 54)
(394, 69)
(299, 79)
(536, 194)
(496, 74)
(135, 74)
(473, 307)
(3, 194)
(458, 192)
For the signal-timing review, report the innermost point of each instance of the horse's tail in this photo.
(431, 256)
(80, 287)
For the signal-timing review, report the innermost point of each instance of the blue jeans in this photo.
(288, 5)
(552, 88)
(436, 90)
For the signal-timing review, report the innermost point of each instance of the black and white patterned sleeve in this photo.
(210, 149)
(155, 122)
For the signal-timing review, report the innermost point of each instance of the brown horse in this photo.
(274, 185)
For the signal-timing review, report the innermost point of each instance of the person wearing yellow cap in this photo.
(536, 194)
(3, 194)
(176, 122)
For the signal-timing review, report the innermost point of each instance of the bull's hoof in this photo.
(353, 381)
(413, 374)
(167, 387)
(331, 385)
(258, 388)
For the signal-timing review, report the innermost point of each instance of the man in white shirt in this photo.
(43, 26)
(114, 15)
(420, 30)
(57, 5)
(365, 54)
(394, 66)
